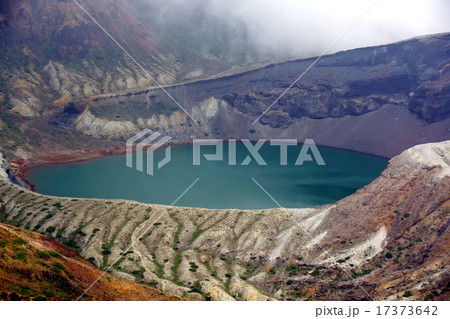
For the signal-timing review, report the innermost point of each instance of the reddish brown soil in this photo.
(34, 266)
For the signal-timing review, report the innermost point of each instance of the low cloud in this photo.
(293, 28)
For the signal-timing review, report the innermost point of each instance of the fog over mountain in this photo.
(290, 28)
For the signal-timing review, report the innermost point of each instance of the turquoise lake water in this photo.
(220, 185)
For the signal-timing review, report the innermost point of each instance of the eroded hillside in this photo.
(399, 90)
(391, 237)
(34, 267)
(52, 52)
(379, 100)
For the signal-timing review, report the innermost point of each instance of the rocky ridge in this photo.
(379, 100)
(392, 89)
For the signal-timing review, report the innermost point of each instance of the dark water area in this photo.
(220, 185)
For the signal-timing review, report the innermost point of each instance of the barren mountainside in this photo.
(51, 52)
(34, 267)
(379, 100)
(400, 91)
(391, 237)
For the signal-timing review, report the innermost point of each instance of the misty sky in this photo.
(301, 28)
(293, 24)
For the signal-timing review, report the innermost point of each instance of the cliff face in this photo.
(400, 91)
(380, 100)
(391, 237)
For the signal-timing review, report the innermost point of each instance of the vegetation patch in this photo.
(195, 235)
(50, 229)
(57, 267)
(22, 255)
(20, 241)
(193, 267)
(176, 265)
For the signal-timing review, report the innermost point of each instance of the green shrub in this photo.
(57, 267)
(407, 294)
(292, 268)
(316, 272)
(197, 287)
(21, 255)
(50, 229)
(388, 255)
(54, 254)
(20, 241)
(194, 266)
(43, 254)
(71, 243)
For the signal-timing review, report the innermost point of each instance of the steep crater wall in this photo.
(379, 100)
